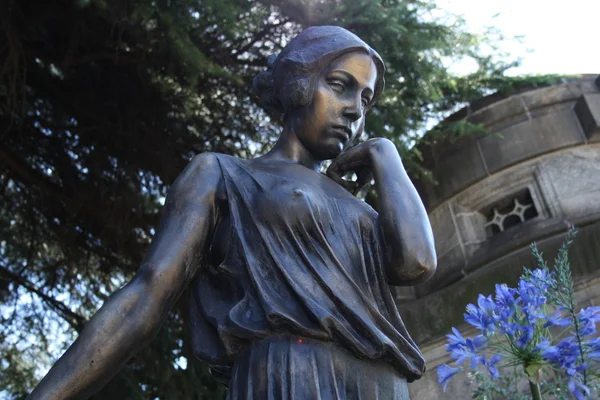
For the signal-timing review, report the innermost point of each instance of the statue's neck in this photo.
(289, 149)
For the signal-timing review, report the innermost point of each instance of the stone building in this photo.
(535, 172)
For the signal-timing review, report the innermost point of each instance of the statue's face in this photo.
(336, 114)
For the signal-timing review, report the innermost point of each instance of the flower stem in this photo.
(535, 391)
(579, 344)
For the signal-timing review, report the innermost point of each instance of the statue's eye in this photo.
(337, 85)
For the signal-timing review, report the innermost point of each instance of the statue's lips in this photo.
(342, 131)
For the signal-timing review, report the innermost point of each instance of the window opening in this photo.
(509, 212)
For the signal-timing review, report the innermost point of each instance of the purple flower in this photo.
(564, 356)
(533, 299)
(543, 345)
(505, 306)
(482, 315)
(558, 319)
(520, 316)
(445, 373)
(593, 344)
(575, 385)
(455, 340)
(525, 337)
(510, 329)
(505, 296)
(491, 365)
(462, 349)
(540, 278)
(593, 347)
(530, 293)
(588, 317)
(486, 304)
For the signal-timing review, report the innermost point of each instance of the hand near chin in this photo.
(362, 160)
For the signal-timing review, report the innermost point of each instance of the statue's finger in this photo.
(335, 176)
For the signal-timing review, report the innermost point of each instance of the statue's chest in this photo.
(289, 202)
(301, 206)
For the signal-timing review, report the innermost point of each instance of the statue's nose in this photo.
(352, 110)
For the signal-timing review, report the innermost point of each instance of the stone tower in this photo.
(532, 175)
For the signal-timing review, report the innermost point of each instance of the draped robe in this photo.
(299, 263)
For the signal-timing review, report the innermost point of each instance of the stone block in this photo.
(513, 239)
(471, 225)
(503, 109)
(587, 110)
(449, 266)
(428, 388)
(448, 247)
(580, 205)
(551, 109)
(501, 124)
(454, 166)
(402, 294)
(530, 138)
(458, 168)
(427, 191)
(556, 94)
(443, 228)
(575, 177)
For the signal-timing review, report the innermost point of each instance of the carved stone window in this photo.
(509, 212)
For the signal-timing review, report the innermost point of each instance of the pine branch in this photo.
(75, 320)
(18, 169)
(260, 35)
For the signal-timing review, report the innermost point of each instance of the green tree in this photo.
(102, 103)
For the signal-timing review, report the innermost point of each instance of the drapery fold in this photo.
(302, 263)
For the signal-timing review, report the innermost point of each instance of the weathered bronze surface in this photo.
(290, 272)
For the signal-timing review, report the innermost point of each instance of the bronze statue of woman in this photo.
(289, 271)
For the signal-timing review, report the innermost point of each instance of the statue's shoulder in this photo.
(202, 164)
(203, 171)
(209, 159)
(210, 168)
(206, 162)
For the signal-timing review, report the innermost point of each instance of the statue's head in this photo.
(290, 79)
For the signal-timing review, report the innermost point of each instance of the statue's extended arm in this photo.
(409, 249)
(132, 316)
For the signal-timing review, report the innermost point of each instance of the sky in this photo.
(558, 36)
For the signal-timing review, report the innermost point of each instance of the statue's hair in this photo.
(290, 78)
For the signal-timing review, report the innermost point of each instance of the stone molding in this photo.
(520, 127)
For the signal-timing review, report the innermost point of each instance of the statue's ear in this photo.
(299, 91)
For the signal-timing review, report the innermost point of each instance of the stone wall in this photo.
(534, 174)
(562, 187)
(519, 127)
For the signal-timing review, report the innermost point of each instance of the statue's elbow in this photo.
(413, 271)
(428, 267)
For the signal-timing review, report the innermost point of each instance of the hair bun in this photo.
(263, 86)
